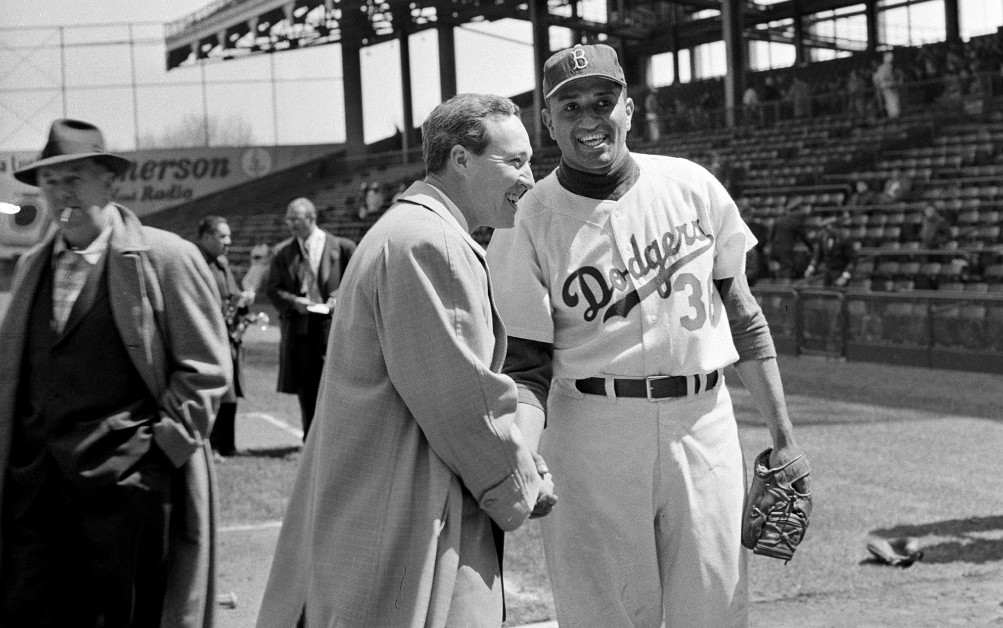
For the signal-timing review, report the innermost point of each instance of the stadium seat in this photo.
(926, 276)
(993, 274)
(968, 218)
(873, 236)
(951, 286)
(907, 271)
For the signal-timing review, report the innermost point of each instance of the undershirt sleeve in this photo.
(749, 329)
(529, 363)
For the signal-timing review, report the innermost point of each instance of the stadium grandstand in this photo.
(815, 127)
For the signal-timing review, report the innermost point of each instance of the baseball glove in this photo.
(776, 514)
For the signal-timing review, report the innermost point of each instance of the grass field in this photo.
(896, 451)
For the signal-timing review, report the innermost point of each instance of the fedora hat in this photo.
(70, 140)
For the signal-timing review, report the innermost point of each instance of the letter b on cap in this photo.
(581, 62)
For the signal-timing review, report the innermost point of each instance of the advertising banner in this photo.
(158, 179)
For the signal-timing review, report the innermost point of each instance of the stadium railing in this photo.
(948, 329)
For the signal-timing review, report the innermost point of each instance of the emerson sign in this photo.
(160, 179)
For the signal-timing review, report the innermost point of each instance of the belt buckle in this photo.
(647, 385)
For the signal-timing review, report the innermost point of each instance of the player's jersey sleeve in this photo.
(733, 236)
(522, 295)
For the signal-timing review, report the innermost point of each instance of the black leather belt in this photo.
(651, 388)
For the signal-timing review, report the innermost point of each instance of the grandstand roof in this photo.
(227, 29)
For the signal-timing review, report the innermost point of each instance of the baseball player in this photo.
(622, 288)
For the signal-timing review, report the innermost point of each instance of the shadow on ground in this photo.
(976, 540)
(272, 452)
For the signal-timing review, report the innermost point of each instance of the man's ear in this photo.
(458, 158)
(629, 107)
(548, 122)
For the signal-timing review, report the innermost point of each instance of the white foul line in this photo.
(282, 425)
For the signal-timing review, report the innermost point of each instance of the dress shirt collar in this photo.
(95, 249)
(315, 241)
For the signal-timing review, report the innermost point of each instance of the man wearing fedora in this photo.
(114, 362)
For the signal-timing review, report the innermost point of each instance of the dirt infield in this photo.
(896, 452)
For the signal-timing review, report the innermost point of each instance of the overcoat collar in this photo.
(421, 193)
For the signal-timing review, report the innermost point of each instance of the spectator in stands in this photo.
(756, 265)
(789, 232)
(856, 89)
(682, 116)
(886, 83)
(799, 95)
(401, 188)
(374, 198)
(752, 105)
(935, 229)
(862, 194)
(897, 188)
(929, 75)
(653, 114)
(771, 99)
(113, 361)
(213, 240)
(834, 254)
(954, 89)
(725, 171)
(303, 283)
(362, 199)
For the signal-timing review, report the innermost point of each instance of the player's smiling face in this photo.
(589, 119)
(499, 176)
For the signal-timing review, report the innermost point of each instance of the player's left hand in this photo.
(546, 500)
(783, 455)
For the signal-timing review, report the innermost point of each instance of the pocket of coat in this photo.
(96, 456)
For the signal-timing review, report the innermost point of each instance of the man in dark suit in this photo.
(788, 235)
(834, 254)
(213, 240)
(303, 283)
(114, 360)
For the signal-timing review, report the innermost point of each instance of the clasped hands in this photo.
(546, 500)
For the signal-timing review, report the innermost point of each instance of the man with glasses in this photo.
(303, 284)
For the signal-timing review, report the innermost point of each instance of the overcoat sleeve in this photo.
(435, 326)
(198, 354)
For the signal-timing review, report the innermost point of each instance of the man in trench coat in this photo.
(303, 283)
(416, 448)
(106, 400)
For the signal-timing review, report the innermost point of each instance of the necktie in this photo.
(309, 278)
(68, 280)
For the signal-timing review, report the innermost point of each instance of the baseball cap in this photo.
(581, 62)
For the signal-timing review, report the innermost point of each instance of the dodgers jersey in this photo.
(624, 287)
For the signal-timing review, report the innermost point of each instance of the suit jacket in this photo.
(284, 285)
(165, 306)
(230, 293)
(412, 445)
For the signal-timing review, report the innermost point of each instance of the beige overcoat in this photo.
(412, 448)
(165, 306)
